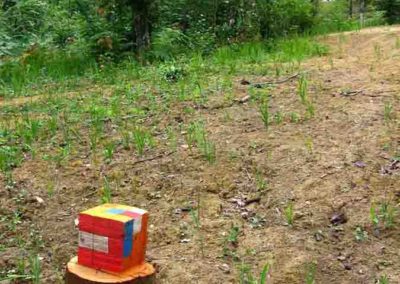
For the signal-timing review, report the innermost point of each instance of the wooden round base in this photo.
(78, 274)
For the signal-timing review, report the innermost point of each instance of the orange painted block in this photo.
(112, 237)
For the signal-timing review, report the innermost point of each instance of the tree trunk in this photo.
(78, 274)
(350, 9)
(141, 24)
(362, 12)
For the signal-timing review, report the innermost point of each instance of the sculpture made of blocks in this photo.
(112, 237)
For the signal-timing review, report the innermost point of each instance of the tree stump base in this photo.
(78, 274)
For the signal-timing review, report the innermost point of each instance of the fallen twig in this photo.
(153, 158)
(263, 84)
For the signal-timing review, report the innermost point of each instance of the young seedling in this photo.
(264, 111)
(311, 272)
(378, 51)
(35, 269)
(126, 140)
(302, 89)
(106, 194)
(360, 234)
(172, 139)
(109, 151)
(197, 135)
(294, 117)
(246, 275)
(388, 112)
(374, 216)
(260, 181)
(278, 117)
(289, 214)
(387, 213)
(309, 145)
(383, 280)
(141, 139)
(310, 109)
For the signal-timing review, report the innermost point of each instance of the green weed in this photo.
(109, 151)
(294, 117)
(35, 269)
(278, 117)
(311, 272)
(383, 280)
(246, 275)
(261, 183)
(289, 214)
(360, 234)
(264, 111)
(309, 145)
(397, 44)
(388, 112)
(373, 214)
(141, 139)
(387, 214)
(197, 135)
(106, 192)
(302, 89)
(378, 51)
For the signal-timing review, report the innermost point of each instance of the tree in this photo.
(391, 9)
(141, 23)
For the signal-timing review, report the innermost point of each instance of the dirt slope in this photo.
(332, 163)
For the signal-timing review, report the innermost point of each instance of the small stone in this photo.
(319, 236)
(185, 241)
(39, 200)
(225, 268)
(347, 266)
(338, 218)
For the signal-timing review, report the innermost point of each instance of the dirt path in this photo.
(333, 163)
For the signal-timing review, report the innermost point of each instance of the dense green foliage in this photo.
(106, 27)
(58, 40)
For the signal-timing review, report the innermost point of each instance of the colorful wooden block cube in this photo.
(112, 237)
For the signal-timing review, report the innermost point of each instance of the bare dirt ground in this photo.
(335, 164)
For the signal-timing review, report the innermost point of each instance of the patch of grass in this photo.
(197, 135)
(246, 275)
(141, 139)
